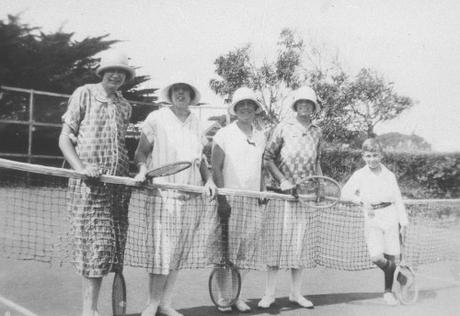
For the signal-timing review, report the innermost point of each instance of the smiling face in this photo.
(372, 159)
(113, 78)
(181, 95)
(246, 110)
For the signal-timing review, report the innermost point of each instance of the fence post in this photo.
(31, 126)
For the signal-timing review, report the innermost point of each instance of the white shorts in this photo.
(381, 238)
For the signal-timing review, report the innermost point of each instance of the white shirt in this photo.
(368, 187)
(243, 157)
(174, 140)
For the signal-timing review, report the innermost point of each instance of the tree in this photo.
(352, 105)
(273, 80)
(403, 143)
(374, 101)
(31, 59)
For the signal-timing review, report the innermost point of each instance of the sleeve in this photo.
(219, 138)
(149, 127)
(350, 191)
(76, 109)
(274, 144)
(399, 203)
(204, 140)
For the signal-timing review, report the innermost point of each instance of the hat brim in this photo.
(165, 93)
(131, 72)
(315, 102)
(231, 108)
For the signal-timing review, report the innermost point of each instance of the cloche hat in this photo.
(243, 93)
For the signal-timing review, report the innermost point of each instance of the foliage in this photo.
(403, 143)
(352, 105)
(374, 101)
(31, 59)
(420, 175)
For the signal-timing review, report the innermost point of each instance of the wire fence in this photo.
(30, 123)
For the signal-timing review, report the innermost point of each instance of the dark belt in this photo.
(380, 205)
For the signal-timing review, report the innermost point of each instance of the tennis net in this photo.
(176, 227)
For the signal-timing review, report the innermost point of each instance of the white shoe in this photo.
(226, 309)
(241, 306)
(390, 299)
(150, 310)
(301, 301)
(168, 311)
(266, 301)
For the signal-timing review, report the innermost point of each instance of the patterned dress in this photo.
(295, 149)
(98, 213)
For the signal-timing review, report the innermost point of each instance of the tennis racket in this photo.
(119, 294)
(119, 299)
(225, 279)
(168, 169)
(315, 191)
(406, 289)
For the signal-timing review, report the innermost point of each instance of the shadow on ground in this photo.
(282, 304)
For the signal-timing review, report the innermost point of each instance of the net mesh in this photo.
(177, 228)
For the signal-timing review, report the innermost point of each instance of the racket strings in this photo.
(119, 295)
(224, 286)
(169, 169)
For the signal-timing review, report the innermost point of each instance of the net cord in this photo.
(67, 173)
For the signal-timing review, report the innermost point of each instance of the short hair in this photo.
(372, 145)
(192, 92)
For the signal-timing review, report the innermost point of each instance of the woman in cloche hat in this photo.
(97, 118)
(170, 134)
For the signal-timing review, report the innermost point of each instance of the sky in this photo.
(413, 43)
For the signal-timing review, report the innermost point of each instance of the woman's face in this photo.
(245, 110)
(113, 78)
(305, 108)
(181, 95)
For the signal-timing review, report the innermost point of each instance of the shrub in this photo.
(420, 175)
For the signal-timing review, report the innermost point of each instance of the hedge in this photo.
(420, 176)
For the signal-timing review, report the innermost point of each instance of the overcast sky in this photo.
(414, 43)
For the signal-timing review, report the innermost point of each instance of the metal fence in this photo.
(30, 123)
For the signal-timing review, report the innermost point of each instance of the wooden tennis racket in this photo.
(315, 191)
(119, 299)
(406, 289)
(225, 279)
(119, 294)
(168, 169)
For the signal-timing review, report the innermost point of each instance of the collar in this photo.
(294, 121)
(101, 94)
(171, 113)
(385, 171)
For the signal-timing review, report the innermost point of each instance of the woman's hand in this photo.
(286, 185)
(210, 189)
(91, 171)
(140, 176)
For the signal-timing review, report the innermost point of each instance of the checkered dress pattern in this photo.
(98, 213)
(296, 151)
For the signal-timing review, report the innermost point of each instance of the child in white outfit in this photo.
(376, 189)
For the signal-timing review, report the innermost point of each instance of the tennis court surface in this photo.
(37, 277)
